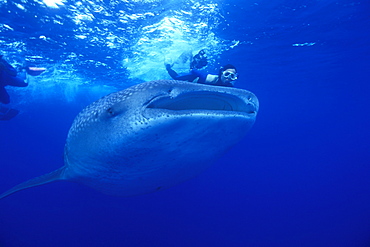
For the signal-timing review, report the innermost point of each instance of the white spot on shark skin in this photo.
(165, 133)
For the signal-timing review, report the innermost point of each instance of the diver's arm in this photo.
(183, 77)
(171, 72)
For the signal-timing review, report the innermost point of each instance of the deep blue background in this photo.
(301, 177)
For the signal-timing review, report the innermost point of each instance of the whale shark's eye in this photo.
(110, 111)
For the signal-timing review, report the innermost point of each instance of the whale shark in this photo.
(151, 136)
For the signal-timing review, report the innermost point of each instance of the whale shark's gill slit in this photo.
(213, 101)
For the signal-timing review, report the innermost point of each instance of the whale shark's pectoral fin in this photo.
(44, 179)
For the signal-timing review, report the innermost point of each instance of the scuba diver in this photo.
(8, 77)
(226, 76)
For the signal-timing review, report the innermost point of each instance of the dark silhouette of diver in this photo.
(226, 76)
(8, 77)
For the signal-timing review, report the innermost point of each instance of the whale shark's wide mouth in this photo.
(201, 101)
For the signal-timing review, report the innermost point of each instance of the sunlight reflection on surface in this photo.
(53, 3)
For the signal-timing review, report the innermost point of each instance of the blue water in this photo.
(301, 177)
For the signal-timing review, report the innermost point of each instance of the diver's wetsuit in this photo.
(191, 76)
(8, 77)
(194, 76)
(198, 62)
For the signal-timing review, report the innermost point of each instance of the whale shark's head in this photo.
(155, 134)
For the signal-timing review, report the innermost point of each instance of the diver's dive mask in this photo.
(230, 75)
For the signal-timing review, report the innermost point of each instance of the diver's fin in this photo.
(199, 60)
(184, 57)
(44, 179)
(183, 61)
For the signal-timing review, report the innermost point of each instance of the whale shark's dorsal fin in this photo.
(44, 179)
